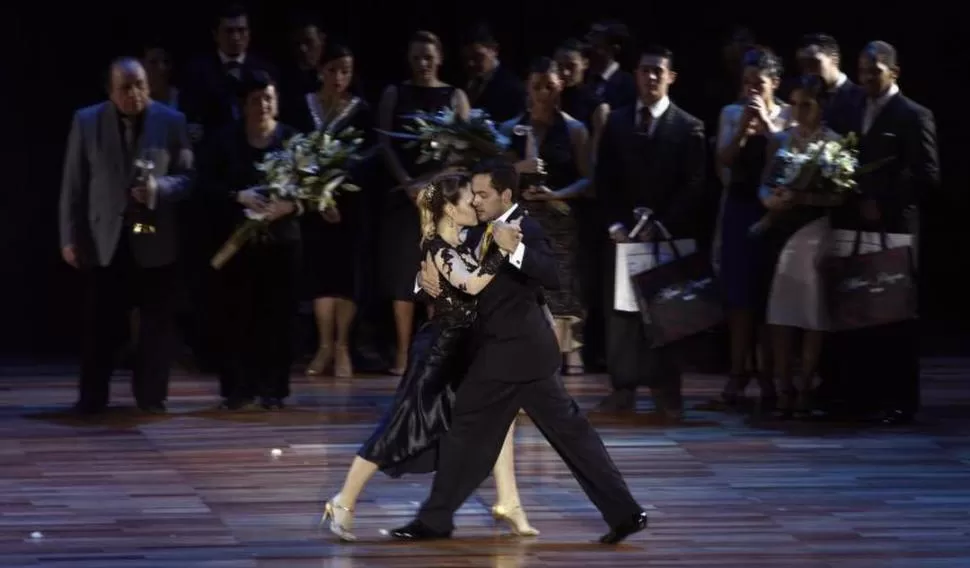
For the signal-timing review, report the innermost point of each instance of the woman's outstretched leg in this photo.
(508, 506)
(339, 510)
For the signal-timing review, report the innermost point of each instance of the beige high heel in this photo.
(343, 366)
(339, 520)
(321, 361)
(515, 518)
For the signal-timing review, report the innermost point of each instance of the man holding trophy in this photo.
(128, 162)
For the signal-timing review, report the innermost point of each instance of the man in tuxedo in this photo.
(301, 75)
(608, 41)
(652, 154)
(515, 365)
(884, 360)
(491, 86)
(211, 81)
(819, 54)
(118, 226)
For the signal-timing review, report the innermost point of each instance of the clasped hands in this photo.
(506, 236)
(270, 209)
(145, 192)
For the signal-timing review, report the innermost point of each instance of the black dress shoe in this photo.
(271, 403)
(233, 403)
(88, 409)
(416, 530)
(897, 418)
(620, 532)
(155, 408)
(618, 401)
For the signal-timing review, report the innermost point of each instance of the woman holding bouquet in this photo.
(331, 237)
(795, 236)
(400, 231)
(406, 439)
(259, 285)
(742, 138)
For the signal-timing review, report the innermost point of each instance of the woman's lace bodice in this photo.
(454, 306)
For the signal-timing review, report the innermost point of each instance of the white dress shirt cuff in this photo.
(517, 255)
(616, 227)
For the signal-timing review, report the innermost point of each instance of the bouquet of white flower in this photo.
(311, 168)
(820, 176)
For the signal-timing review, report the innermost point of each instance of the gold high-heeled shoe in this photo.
(515, 518)
(338, 526)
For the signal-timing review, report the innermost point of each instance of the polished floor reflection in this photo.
(204, 488)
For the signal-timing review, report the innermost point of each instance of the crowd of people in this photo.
(591, 141)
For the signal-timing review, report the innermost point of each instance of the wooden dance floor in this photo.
(203, 488)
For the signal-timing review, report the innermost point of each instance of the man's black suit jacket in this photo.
(664, 171)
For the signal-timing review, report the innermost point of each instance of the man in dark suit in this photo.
(211, 80)
(128, 162)
(491, 86)
(609, 40)
(515, 365)
(819, 54)
(651, 155)
(884, 360)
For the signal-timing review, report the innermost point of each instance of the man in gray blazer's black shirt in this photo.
(118, 226)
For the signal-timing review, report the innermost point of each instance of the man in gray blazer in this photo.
(128, 162)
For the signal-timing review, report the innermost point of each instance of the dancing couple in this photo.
(488, 351)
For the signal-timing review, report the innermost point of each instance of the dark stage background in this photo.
(57, 54)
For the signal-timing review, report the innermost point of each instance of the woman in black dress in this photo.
(259, 286)
(406, 440)
(545, 134)
(331, 238)
(400, 232)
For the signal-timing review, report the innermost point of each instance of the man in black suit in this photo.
(211, 81)
(609, 40)
(128, 164)
(896, 127)
(651, 155)
(515, 366)
(819, 54)
(491, 86)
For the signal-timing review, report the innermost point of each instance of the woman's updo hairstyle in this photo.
(544, 65)
(435, 196)
(334, 52)
(764, 60)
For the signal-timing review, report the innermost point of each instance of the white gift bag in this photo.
(635, 258)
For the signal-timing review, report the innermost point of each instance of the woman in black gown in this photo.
(561, 143)
(406, 440)
(259, 286)
(400, 232)
(331, 238)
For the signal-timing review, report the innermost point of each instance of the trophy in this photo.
(539, 178)
(142, 213)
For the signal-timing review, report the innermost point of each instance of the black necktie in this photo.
(128, 125)
(646, 120)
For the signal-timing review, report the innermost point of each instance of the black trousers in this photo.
(630, 361)
(484, 409)
(111, 293)
(259, 296)
(877, 368)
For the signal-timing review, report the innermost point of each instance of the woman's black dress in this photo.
(331, 251)
(558, 154)
(258, 289)
(400, 231)
(406, 440)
